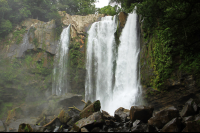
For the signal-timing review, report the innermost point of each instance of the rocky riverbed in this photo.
(92, 119)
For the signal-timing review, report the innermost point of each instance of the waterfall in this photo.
(60, 82)
(124, 89)
(127, 85)
(101, 50)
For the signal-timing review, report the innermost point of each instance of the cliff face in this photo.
(27, 57)
(176, 90)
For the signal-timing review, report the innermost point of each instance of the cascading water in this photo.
(100, 59)
(127, 85)
(60, 82)
(101, 49)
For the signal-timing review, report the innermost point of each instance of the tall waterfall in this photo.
(123, 89)
(60, 83)
(101, 49)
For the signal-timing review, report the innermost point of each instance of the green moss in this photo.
(97, 105)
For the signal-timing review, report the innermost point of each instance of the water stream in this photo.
(122, 90)
(60, 82)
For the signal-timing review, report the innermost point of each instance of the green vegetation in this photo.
(173, 28)
(109, 10)
(76, 58)
(12, 12)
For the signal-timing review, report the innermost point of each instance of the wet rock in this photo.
(56, 129)
(2, 127)
(94, 107)
(73, 120)
(128, 124)
(109, 123)
(137, 122)
(96, 129)
(192, 126)
(139, 127)
(142, 113)
(94, 119)
(190, 108)
(163, 117)
(121, 114)
(118, 124)
(25, 128)
(37, 128)
(47, 130)
(107, 116)
(197, 117)
(53, 124)
(65, 130)
(186, 119)
(87, 104)
(173, 126)
(84, 129)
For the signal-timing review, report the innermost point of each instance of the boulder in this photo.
(84, 129)
(139, 127)
(197, 117)
(142, 113)
(173, 126)
(25, 128)
(163, 117)
(121, 114)
(186, 119)
(94, 107)
(63, 116)
(107, 116)
(190, 108)
(94, 119)
(2, 127)
(87, 104)
(37, 128)
(192, 126)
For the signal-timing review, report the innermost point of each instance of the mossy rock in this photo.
(89, 110)
(63, 116)
(25, 128)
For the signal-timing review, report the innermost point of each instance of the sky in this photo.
(101, 3)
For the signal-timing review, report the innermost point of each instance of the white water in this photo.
(60, 82)
(101, 49)
(126, 75)
(100, 65)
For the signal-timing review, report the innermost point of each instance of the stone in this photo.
(172, 126)
(73, 120)
(142, 113)
(87, 104)
(107, 116)
(163, 117)
(94, 119)
(140, 128)
(121, 114)
(84, 129)
(190, 108)
(192, 126)
(94, 107)
(186, 119)
(2, 127)
(63, 116)
(122, 19)
(37, 128)
(25, 128)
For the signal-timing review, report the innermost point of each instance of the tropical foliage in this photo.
(12, 12)
(174, 28)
